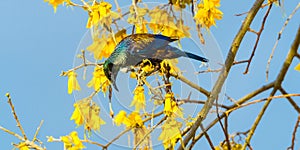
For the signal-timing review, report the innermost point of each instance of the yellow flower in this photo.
(180, 3)
(207, 13)
(120, 117)
(137, 18)
(171, 108)
(141, 27)
(23, 146)
(101, 13)
(72, 82)
(72, 141)
(87, 114)
(141, 137)
(77, 115)
(133, 120)
(93, 120)
(147, 66)
(170, 133)
(104, 46)
(55, 3)
(169, 65)
(133, 75)
(139, 98)
(99, 80)
(168, 104)
(297, 67)
(161, 21)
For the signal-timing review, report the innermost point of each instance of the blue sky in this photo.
(36, 45)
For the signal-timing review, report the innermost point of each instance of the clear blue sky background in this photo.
(36, 45)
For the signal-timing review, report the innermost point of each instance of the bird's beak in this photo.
(113, 81)
(115, 86)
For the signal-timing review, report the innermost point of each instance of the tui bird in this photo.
(134, 48)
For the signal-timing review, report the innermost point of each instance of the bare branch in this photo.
(15, 116)
(200, 102)
(239, 102)
(261, 100)
(278, 38)
(224, 129)
(277, 85)
(240, 62)
(207, 137)
(224, 73)
(293, 103)
(92, 142)
(12, 133)
(258, 37)
(116, 138)
(193, 85)
(294, 134)
(209, 70)
(37, 131)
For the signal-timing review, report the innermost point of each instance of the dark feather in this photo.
(134, 48)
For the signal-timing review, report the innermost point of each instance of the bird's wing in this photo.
(146, 45)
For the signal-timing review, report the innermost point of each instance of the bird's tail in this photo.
(196, 57)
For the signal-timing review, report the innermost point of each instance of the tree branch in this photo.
(293, 103)
(193, 85)
(15, 116)
(238, 103)
(294, 134)
(224, 73)
(258, 38)
(292, 53)
(278, 38)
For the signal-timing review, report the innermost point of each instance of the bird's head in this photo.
(110, 73)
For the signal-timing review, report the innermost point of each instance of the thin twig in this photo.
(207, 137)
(294, 134)
(277, 85)
(116, 138)
(118, 7)
(278, 38)
(258, 38)
(199, 102)
(262, 100)
(224, 129)
(238, 103)
(12, 133)
(244, 13)
(15, 116)
(191, 84)
(298, 55)
(231, 99)
(209, 70)
(65, 73)
(92, 142)
(292, 102)
(37, 131)
(240, 62)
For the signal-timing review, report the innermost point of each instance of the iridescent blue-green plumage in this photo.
(136, 47)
